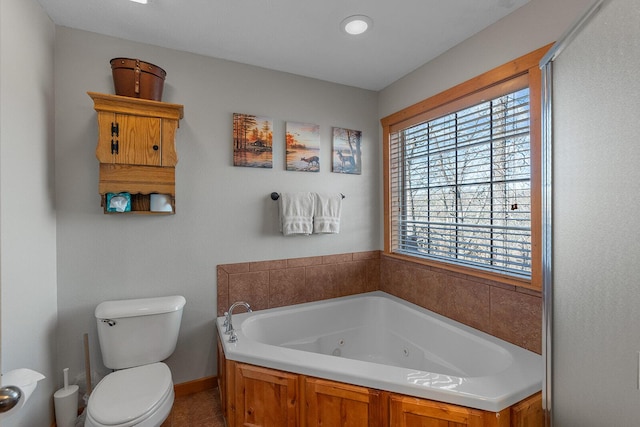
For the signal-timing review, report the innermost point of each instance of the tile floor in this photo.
(200, 409)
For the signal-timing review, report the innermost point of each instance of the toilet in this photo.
(135, 337)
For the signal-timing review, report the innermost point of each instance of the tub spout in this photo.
(229, 324)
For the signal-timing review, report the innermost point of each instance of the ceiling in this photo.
(296, 36)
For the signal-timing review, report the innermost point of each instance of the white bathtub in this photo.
(377, 340)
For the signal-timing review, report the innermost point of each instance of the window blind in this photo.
(461, 186)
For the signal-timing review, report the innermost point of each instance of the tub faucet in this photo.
(229, 324)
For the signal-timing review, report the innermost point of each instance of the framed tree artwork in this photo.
(252, 141)
(347, 153)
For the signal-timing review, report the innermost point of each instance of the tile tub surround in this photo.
(507, 312)
(269, 284)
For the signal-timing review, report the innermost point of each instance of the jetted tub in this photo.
(379, 341)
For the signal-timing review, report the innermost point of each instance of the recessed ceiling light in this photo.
(356, 24)
(140, 1)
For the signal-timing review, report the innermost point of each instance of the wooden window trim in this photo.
(525, 65)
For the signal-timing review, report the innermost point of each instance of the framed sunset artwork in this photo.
(302, 147)
(252, 141)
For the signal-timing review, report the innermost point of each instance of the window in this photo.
(462, 180)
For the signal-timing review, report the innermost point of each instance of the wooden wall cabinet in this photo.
(136, 148)
(263, 397)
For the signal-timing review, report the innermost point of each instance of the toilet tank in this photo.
(138, 331)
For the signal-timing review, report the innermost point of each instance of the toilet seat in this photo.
(130, 397)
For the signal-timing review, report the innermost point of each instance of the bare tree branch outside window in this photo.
(462, 186)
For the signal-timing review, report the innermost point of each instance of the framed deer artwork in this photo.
(347, 154)
(303, 147)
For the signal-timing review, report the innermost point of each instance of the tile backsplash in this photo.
(268, 284)
(507, 312)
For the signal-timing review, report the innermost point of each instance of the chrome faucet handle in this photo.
(233, 337)
(226, 323)
(226, 319)
(228, 326)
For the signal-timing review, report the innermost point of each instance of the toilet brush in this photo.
(66, 403)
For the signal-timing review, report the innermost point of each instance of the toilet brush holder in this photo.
(66, 405)
(65, 402)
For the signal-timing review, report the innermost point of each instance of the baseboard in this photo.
(195, 386)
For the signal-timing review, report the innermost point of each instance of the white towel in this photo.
(296, 213)
(326, 218)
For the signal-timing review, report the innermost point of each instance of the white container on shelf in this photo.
(161, 203)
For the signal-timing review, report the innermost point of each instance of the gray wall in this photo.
(596, 320)
(224, 213)
(27, 205)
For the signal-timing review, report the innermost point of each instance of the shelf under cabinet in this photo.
(140, 205)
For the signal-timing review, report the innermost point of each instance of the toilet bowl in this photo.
(141, 396)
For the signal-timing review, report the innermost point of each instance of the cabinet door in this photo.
(265, 397)
(335, 404)
(411, 412)
(528, 412)
(129, 139)
(140, 140)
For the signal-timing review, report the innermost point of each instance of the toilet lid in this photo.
(125, 396)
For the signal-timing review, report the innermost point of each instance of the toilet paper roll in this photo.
(160, 203)
(26, 380)
(65, 402)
